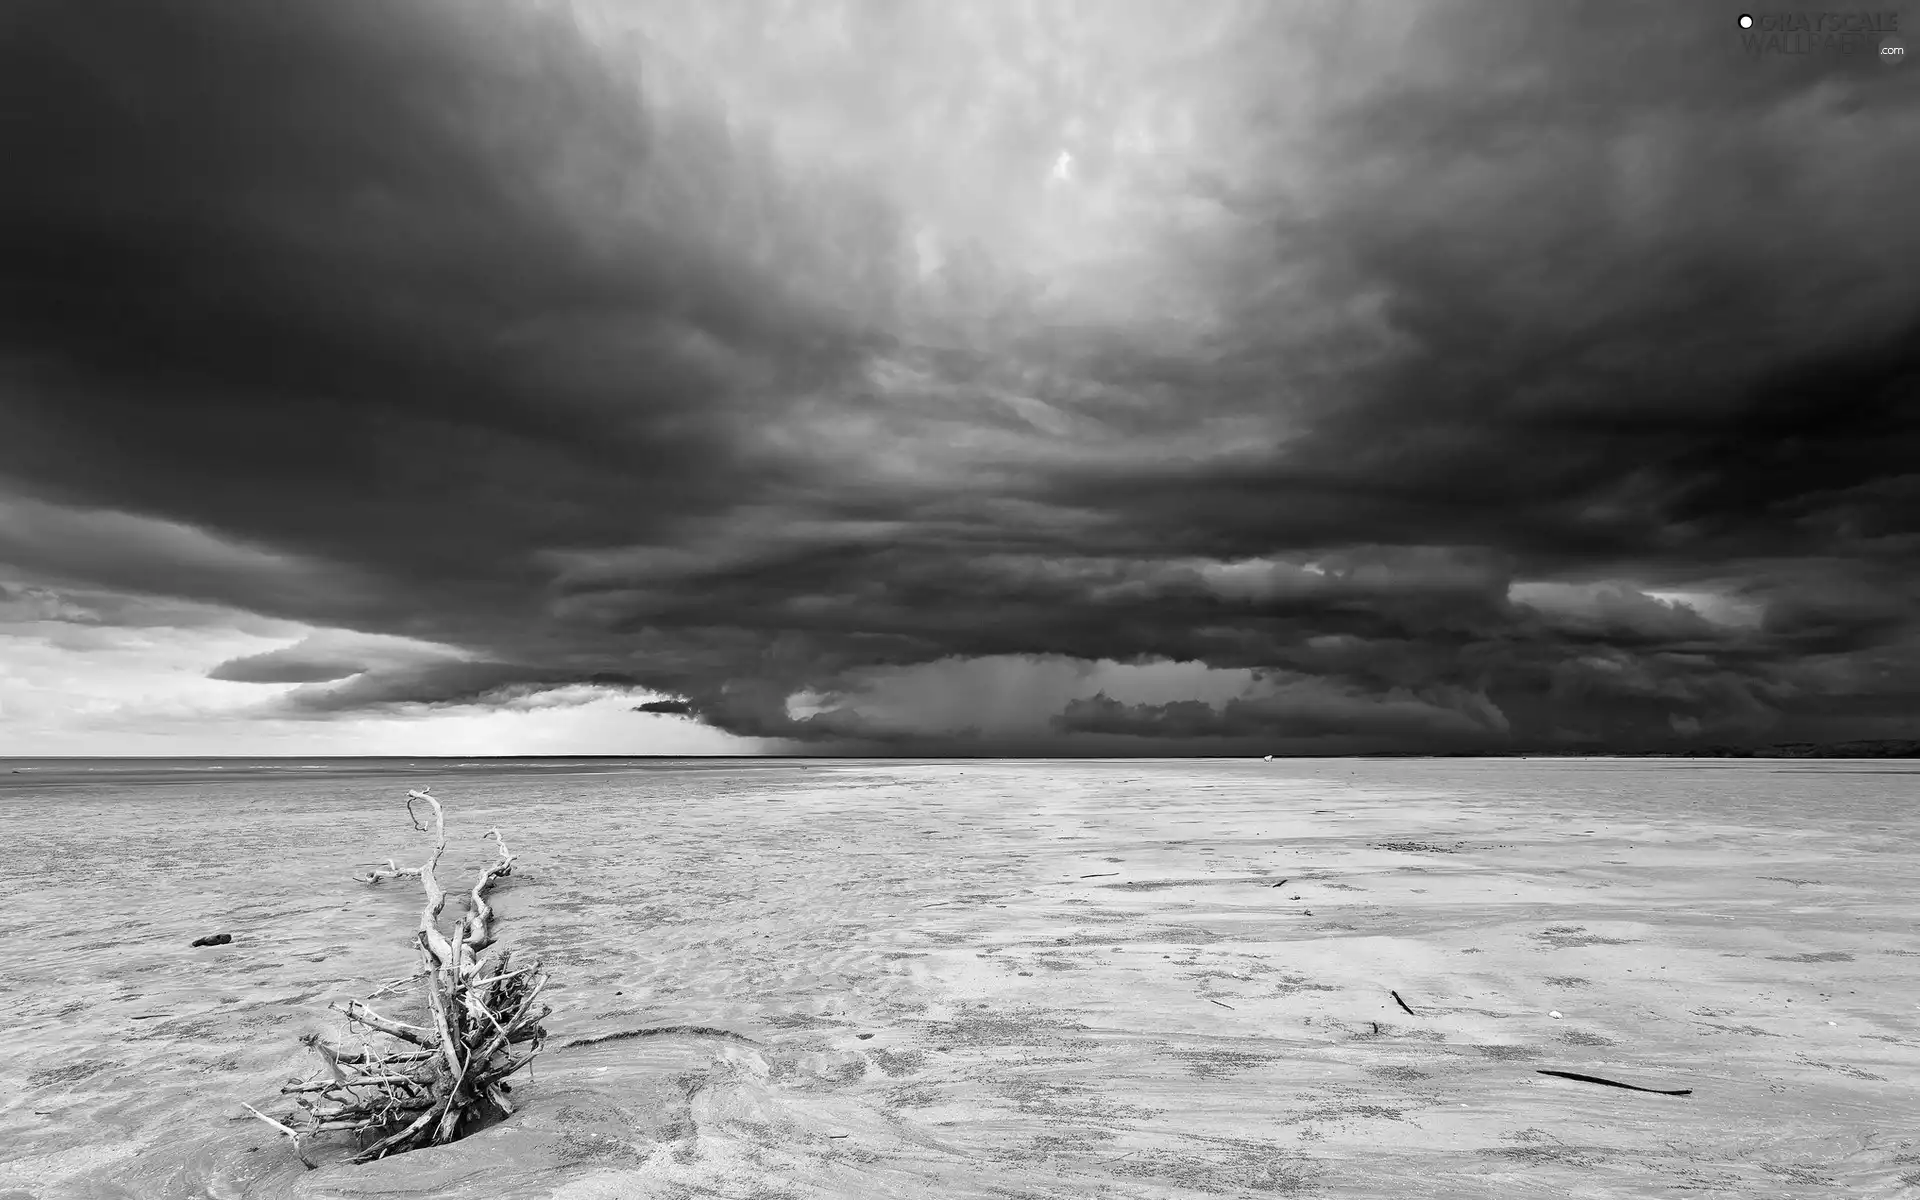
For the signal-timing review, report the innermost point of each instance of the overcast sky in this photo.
(389, 376)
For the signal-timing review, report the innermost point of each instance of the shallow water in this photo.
(992, 978)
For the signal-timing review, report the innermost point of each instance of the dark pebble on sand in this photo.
(213, 939)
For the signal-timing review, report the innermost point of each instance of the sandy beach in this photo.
(994, 979)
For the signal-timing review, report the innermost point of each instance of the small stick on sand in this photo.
(1101, 875)
(1632, 1087)
(659, 1031)
(1223, 1004)
(1403, 1004)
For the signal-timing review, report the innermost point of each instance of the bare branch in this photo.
(292, 1134)
(392, 872)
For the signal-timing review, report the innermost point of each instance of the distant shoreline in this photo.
(1886, 749)
(1883, 748)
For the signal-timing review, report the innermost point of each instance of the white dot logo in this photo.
(1746, 21)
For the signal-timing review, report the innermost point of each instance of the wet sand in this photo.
(974, 979)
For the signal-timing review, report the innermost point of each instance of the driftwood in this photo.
(664, 1030)
(433, 1082)
(293, 1135)
(382, 874)
(1631, 1087)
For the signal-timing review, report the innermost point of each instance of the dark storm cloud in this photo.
(1468, 375)
(324, 657)
(425, 684)
(1302, 712)
(359, 278)
(275, 666)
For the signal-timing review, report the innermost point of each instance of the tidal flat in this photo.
(985, 978)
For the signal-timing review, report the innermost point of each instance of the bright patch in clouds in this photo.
(1716, 607)
(187, 679)
(73, 688)
(1626, 602)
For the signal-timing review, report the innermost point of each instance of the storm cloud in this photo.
(912, 377)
